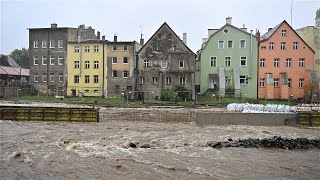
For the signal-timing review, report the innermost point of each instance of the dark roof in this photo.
(122, 42)
(269, 34)
(60, 28)
(90, 41)
(6, 60)
(165, 24)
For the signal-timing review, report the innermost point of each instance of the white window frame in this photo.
(86, 79)
(95, 49)
(283, 45)
(271, 45)
(182, 80)
(60, 59)
(231, 43)
(245, 60)
(76, 79)
(181, 67)
(60, 43)
(51, 44)
(123, 60)
(276, 62)
(284, 33)
(228, 81)
(95, 64)
(36, 78)
(35, 58)
(262, 82)
(125, 74)
(168, 80)
(86, 64)
(114, 60)
(262, 62)
(95, 78)
(146, 63)
(51, 60)
(44, 44)
(276, 82)
(35, 44)
(114, 73)
(86, 49)
(301, 62)
(227, 63)
(76, 49)
(141, 80)
(245, 43)
(125, 49)
(219, 44)
(44, 77)
(114, 48)
(289, 62)
(245, 79)
(295, 45)
(61, 78)
(44, 60)
(76, 64)
(213, 61)
(154, 80)
(164, 64)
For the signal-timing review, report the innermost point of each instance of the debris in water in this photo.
(145, 146)
(16, 155)
(72, 146)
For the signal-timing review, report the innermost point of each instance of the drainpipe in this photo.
(103, 69)
(250, 50)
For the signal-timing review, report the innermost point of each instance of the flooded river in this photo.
(62, 150)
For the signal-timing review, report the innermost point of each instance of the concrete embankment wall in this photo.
(252, 119)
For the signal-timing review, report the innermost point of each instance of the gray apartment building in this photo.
(165, 62)
(47, 56)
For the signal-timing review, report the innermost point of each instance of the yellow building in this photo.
(86, 68)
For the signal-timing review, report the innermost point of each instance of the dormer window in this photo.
(284, 33)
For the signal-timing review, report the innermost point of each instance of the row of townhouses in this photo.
(280, 64)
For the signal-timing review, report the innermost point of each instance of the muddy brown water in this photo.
(62, 150)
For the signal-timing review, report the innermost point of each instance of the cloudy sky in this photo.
(127, 18)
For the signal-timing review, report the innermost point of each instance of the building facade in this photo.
(121, 58)
(227, 64)
(47, 56)
(165, 62)
(87, 68)
(285, 64)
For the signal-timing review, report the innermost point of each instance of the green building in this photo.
(227, 63)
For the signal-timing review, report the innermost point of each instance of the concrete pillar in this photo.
(284, 90)
(236, 77)
(222, 85)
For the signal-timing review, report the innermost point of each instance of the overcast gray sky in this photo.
(125, 17)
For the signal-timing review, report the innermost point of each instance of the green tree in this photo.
(21, 56)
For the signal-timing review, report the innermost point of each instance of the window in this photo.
(301, 62)
(283, 45)
(60, 60)
(96, 48)
(36, 78)
(221, 44)
(213, 61)
(261, 82)
(244, 80)
(51, 44)
(76, 49)
(276, 62)
(284, 33)
(242, 43)
(289, 83)
(146, 63)
(60, 43)
(182, 80)
(87, 49)
(243, 61)
(301, 83)
(61, 77)
(114, 48)
(95, 91)
(263, 47)
(181, 64)
(276, 82)
(51, 60)
(164, 64)
(114, 60)
(35, 44)
(168, 80)
(95, 79)
(141, 80)
(262, 62)
(295, 45)
(86, 64)
(288, 62)
(76, 79)
(125, 60)
(228, 80)
(51, 77)
(114, 74)
(86, 79)
(44, 60)
(44, 44)
(228, 62)
(86, 91)
(95, 64)
(154, 80)
(125, 48)
(35, 60)
(271, 45)
(230, 44)
(44, 77)
(76, 64)
(125, 74)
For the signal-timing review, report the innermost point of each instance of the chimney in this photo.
(141, 40)
(98, 34)
(258, 36)
(184, 38)
(228, 20)
(103, 37)
(115, 38)
(54, 25)
(244, 28)
(269, 29)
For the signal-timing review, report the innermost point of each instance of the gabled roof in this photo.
(165, 24)
(16, 71)
(227, 24)
(269, 34)
(6, 60)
